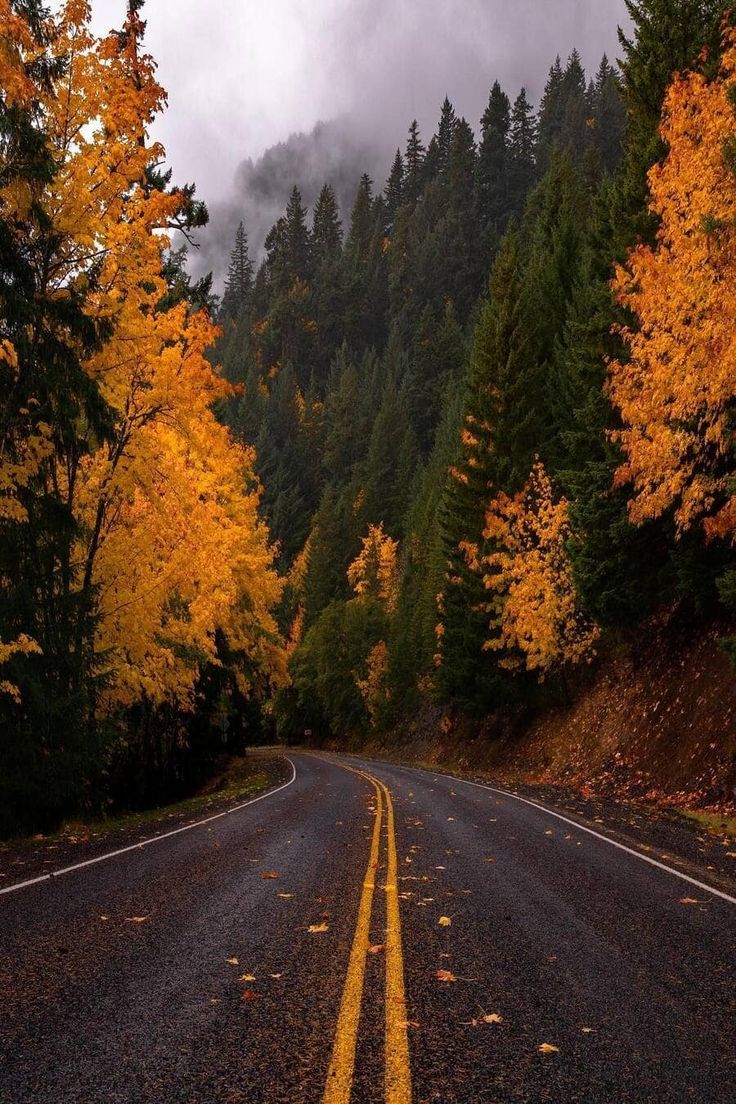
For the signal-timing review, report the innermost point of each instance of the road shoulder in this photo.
(77, 842)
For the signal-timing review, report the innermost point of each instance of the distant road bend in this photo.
(370, 933)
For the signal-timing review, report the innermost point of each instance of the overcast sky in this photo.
(244, 74)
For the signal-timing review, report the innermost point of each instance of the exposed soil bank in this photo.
(657, 724)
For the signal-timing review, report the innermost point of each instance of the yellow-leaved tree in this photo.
(536, 621)
(374, 573)
(676, 389)
(168, 549)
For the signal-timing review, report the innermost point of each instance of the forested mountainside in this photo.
(484, 410)
(447, 456)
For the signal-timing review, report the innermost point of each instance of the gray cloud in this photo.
(333, 152)
(244, 77)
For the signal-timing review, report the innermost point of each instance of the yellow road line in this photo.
(397, 1077)
(342, 1064)
(397, 1082)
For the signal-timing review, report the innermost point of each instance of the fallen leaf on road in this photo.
(275, 976)
(490, 860)
(246, 977)
(486, 1018)
(450, 818)
(548, 1048)
(136, 919)
(232, 961)
(440, 868)
(315, 928)
(445, 921)
(269, 874)
(377, 948)
(285, 896)
(587, 1030)
(689, 901)
(104, 918)
(445, 975)
(214, 1000)
(249, 994)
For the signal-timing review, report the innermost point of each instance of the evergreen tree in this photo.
(239, 280)
(445, 136)
(413, 165)
(492, 175)
(575, 136)
(457, 240)
(326, 228)
(437, 358)
(564, 113)
(498, 442)
(275, 272)
(412, 642)
(333, 544)
(362, 223)
(431, 162)
(609, 115)
(390, 464)
(394, 191)
(551, 114)
(290, 489)
(297, 239)
(347, 421)
(522, 171)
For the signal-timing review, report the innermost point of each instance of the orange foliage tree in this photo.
(373, 686)
(170, 547)
(374, 572)
(675, 391)
(535, 618)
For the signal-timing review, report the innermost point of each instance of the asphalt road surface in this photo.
(457, 935)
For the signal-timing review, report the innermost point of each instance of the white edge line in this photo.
(152, 839)
(575, 824)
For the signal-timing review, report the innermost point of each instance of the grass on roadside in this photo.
(714, 822)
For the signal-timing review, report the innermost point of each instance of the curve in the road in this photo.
(580, 827)
(146, 842)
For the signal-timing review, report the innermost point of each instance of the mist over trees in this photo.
(433, 376)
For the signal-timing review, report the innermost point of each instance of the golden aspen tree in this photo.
(373, 687)
(535, 618)
(169, 539)
(676, 389)
(375, 570)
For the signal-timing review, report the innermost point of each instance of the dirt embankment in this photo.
(657, 723)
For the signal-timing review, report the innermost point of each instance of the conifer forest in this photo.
(445, 450)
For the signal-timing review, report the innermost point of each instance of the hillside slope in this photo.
(656, 724)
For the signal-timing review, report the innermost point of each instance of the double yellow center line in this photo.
(397, 1083)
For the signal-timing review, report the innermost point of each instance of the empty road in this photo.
(370, 933)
